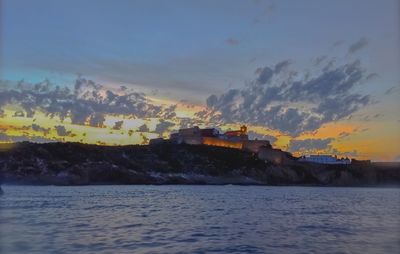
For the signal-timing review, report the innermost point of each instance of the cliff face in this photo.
(75, 164)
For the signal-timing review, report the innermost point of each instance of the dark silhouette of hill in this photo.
(81, 164)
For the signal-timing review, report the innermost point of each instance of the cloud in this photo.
(392, 90)
(86, 104)
(372, 76)
(38, 128)
(10, 138)
(145, 140)
(280, 99)
(266, 73)
(232, 41)
(19, 113)
(143, 128)
(307, 145)
(344, 134)
(163, 126)
(118, 125)
(358, 45)
(255, 135)
(61, 131)
(320, 59)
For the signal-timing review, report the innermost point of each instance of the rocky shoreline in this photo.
(82, 164)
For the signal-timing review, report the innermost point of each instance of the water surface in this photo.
(199, 219)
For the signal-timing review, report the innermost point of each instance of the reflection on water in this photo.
(199, 219)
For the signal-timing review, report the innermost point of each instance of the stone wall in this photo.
(222, 142)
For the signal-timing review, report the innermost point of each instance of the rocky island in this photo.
(168, 163)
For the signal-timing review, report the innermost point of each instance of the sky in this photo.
(310, 76)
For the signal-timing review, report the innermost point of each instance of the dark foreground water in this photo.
(199, 219)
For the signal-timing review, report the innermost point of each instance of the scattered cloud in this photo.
(255, 135)
(344, 135)
(86, 104)
(145, 140)
(118, 125)
(358, 45)
(61, 131)
(280, 99)
(392, 90)
(163, 126)
(319, 60)
(13, 139)
(372, 76)
(143, 128)
(307, 145)
(19, 113)
(38, 128)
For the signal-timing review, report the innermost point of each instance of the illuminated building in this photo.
(237, 139)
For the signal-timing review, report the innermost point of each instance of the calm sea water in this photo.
(199, 219)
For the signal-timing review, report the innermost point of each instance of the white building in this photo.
(325, 159)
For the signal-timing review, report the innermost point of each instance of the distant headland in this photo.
(170, 162)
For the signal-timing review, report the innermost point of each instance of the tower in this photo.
(243, 129)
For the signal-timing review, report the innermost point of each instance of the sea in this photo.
(199, 219)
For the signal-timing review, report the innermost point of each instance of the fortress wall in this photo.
(272, 155)
(221, 142)
(255, 145)
(192, 140)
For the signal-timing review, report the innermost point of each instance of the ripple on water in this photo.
(199, 219)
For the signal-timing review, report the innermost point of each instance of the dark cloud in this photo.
(87, 103)
(13, 139)
(39, 128)
(308, 145)
(145, 140)
(255, 135)
(265, 74)
(61, 131)
(232, 41)
(392, 90)
(344, 134)
(353, 153)
(163, 126)
(358, 45)
(320, 59)
(118, 125)
(143, 128)
(19, 113)
(372, 76)
(186, 122)
(279, 100)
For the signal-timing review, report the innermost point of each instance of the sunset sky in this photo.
(310, 76)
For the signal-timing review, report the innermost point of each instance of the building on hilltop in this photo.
(233, 139)
(324, 159)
